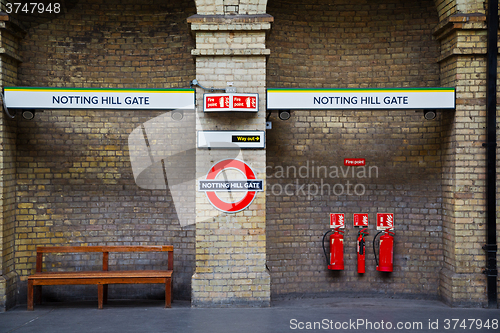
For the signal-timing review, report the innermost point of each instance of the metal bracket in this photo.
(490, 272)
(489, 144)
(5, 109)
(491, 254)
(490, 248)
(269, 115)
(196, 83)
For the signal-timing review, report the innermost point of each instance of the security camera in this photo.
(177, 115)
(284, 114)
(429, 114)
(28, 114)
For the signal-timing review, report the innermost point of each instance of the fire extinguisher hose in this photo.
(374, 251)
(323, 242)
(363, 233)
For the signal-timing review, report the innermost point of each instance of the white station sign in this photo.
(99, 98)
(231, 139)
(376, 98)
(231, 102)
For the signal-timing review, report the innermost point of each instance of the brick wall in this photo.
(10, 33)
(8, 277)
(75, 182)
(342, 44)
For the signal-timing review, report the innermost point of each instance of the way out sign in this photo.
(231, 139)
(238, 193)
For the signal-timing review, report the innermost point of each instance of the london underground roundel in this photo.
(216, 183)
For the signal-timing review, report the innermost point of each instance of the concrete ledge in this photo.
(230, 19)
(231, 27)
(474, 21)
(462, 51)
(454, 34)
(231, 52)
(230, 22)
(10, 54)
(12, 25)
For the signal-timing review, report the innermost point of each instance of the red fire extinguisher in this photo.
(385, 250)
(336, 249)
(361, 250)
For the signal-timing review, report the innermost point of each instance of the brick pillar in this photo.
(10, 34)
(231, 248)
(463, 65)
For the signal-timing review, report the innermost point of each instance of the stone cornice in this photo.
(475, 21)
(12, 25)
(230, 22)
(246, 34)
(455, 34)
(231, 52)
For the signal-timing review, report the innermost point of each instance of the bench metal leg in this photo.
(30, 295)
(168, 293)
(100, 295)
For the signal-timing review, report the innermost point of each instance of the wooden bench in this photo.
(100, 278)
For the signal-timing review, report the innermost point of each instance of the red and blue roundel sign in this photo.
(214, 183)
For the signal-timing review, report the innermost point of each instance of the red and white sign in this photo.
(337, 220)
(360, 220)
(354, 161)
(385, 221)
(245, 102)
(231, 102)
(216, 102)
(250, 182)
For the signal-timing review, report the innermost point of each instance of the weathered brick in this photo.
(66, 178)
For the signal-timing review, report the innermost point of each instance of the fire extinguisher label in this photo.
(337, 221)
(360, 220)
(385, 221)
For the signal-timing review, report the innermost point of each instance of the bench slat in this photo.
(99, 274)
(117, 248)
(99, 281)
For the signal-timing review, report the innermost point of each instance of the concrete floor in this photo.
(330, 314)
